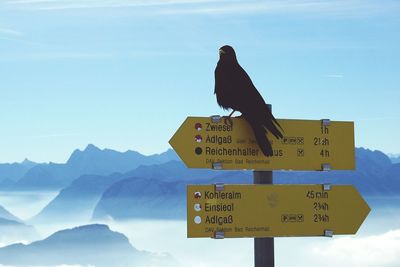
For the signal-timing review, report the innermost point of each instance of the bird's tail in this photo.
(272, 124)
(260, 135)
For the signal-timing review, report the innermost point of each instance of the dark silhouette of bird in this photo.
(235, 90)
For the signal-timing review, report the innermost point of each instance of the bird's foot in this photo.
(228, 120)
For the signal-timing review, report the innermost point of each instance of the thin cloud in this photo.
(50, 135)
(15, 36)
(257, 7)
(387, 118)
(377, 250)
(10, 32)
(89, 4)
(58, 56)
(335, 76)
(335, 7)
(72, 55)
(67, 265)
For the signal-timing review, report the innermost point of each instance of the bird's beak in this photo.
(221, 52)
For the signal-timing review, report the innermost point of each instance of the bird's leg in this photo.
(228, 119)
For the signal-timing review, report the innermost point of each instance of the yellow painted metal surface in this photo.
(273, 210)
(306, 145)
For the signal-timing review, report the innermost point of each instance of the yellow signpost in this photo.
(209, 142)
(273, 210)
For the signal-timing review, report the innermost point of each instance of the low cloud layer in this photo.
(371, 251)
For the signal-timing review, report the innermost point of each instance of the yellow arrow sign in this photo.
(273, 210)
(202, 142)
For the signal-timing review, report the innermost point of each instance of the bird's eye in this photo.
(221, 52)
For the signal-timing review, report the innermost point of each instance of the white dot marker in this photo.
(197, 207)
(197, 220)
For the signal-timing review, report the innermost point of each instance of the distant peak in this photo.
(26, 162)
(76, 156)
(95, 226)
(91, 147)
(82, 229)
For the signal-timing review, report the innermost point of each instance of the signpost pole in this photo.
(263, 247)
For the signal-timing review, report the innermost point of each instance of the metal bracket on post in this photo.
(217, 165)
(219, 187)
(219, 235)
(215, 118)
(326, 187)
(328, 233)
(326, 122)
(326, 167)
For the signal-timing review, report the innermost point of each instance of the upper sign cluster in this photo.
(204, 142)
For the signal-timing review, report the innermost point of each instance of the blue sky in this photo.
(125, 74)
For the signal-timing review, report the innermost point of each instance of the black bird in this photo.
(234, 89)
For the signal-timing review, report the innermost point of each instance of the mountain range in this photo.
(375, 174)
(92, 160)
(11, 172)
(129, 185)
(89, 245)
(149, 197)
(76, 202)
(97, 185)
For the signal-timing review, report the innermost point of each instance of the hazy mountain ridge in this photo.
(77, 201)
(142, 198)
(147, 191)
(170, 171)
(92, 160)
(102, 162)
(395, 158)
(12, 228)
(11, 172)
(5, 214)
(92, 244)
(374, 175)
(156, 196)
(153, 191)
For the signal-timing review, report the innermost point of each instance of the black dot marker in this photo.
(198, 151)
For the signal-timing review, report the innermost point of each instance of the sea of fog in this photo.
(377, 242)
(25, 205)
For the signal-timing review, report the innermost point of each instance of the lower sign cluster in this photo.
(273, 210)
